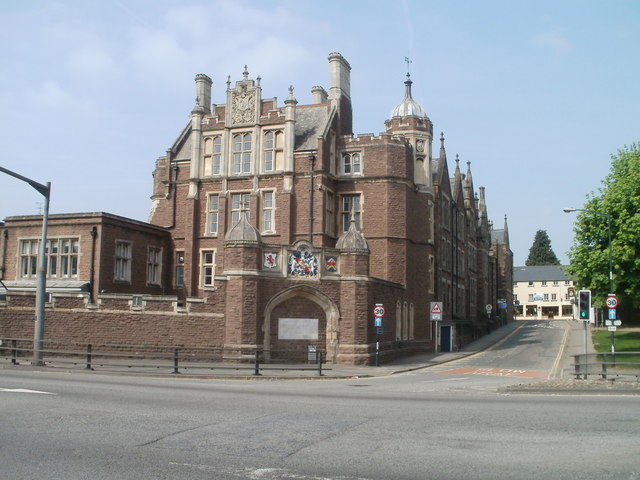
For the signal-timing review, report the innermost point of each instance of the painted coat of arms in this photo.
(331, 264)
(270, 260)
(303, 264)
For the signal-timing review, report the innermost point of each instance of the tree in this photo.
(541, 252)
(617, 203)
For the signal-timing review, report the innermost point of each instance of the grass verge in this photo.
(623, 342)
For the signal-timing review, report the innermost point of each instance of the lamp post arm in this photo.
(608, 216)
(44, 190)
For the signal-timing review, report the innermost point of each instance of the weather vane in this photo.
(406, 59)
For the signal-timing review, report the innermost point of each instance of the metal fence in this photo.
(610, 366)
(161, 359)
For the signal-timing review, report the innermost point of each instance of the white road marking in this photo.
(24, 390)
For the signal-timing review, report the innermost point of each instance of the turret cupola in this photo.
(408, 107)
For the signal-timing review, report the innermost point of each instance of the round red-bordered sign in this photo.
(612, 302)
(379, 311)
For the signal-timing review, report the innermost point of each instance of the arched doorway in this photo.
(305, 303)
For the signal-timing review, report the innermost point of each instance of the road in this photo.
(445, 422)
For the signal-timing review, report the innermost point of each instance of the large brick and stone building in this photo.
(274, 227)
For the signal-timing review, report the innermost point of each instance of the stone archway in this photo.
(325, 303)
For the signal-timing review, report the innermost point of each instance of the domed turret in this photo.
(408, 107)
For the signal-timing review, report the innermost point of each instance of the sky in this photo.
(537, 95)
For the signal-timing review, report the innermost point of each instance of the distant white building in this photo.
(543, 292)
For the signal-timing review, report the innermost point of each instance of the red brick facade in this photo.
(276, 228)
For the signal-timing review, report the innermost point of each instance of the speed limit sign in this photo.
(612, 301)
(378, 310)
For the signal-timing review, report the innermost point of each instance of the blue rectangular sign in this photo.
(612, 314)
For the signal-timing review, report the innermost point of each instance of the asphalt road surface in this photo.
(452, 421)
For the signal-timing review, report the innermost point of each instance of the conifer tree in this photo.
(541, 252)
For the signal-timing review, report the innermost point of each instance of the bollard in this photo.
(14, 352)
(175, 360)
(89, 349)
(319, 360)
(256, 370)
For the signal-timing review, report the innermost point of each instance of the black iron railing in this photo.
(609, 366)
(146, 358)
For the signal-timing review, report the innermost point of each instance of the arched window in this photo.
(405, 321)
(411, 321)
(269, 153)
(212, 156)
(351, 164)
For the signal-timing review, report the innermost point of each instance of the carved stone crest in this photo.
(243, 106)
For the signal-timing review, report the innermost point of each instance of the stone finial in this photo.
(352, 240)
(291, 99)
(243, 233)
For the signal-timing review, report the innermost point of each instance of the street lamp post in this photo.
(41, 273)
(608, 217)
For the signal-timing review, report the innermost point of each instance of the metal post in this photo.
(41, 277)
(610, 258)
(14, 352)
(377, 351)
(256, 370)
(312, 160)
(41, 286)
(586, 350)
(175, 360)
(319, 360)
(89, 349)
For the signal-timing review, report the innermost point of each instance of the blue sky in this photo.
(535, 94)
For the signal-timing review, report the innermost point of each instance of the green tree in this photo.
(616, 206)
(541, 252)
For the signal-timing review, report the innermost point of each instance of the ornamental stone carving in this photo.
(243, 107)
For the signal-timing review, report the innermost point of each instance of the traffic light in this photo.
(584, 304)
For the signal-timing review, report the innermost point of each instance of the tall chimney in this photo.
(340, 92)
(340, 77)
(203, 92)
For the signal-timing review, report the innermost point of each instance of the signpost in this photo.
(612, 305)
(435, 312)
(378, 314)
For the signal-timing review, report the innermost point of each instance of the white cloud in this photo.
(219, 39)
(553, 41)
(52, 95)
(91, 59)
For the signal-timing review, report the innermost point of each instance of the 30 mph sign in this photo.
(379, 311)
(612, 302)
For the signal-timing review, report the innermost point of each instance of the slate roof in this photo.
(540, 273)
(311, 123)
(498, 236)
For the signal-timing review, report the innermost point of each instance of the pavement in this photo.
(275, 371)
(559, 382)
